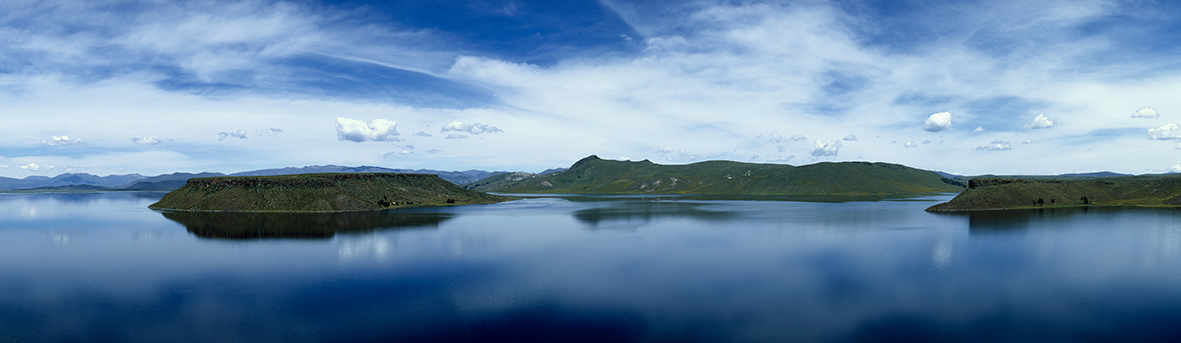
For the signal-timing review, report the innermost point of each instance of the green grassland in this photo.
(331, 192)
(1013, 193)
(595, 175)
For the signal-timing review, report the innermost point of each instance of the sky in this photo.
(966, 87)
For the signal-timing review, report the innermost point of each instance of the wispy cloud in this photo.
(473, 128)
(240, 134)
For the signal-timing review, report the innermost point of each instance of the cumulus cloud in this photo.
(31, 167)
(849, 138)
(938, 122)
(241, 134)
(61, 140)
(776, 138)
(1176, 168)
(911, 144)
(354, 130)
(153, 140)
(456, 136)
(1027, 141)
(1146, 112)
(474, 128)
(1165, 132)
(422, 134)
(434, 151)
(781, 148)
(826, 148)
(979, 129)
(797, 138)
(1040, 122)
(997, 145)
(926, 141)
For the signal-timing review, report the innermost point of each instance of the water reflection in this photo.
(633, 214)
(234, 225)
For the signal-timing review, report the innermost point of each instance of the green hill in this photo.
(332, 192)
(595, 175)
(1013, 193)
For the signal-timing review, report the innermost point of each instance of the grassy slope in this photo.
(1006, 193)
(333, 192)
(594, 175)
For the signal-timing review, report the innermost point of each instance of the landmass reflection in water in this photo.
(639, 212)
(252, 225)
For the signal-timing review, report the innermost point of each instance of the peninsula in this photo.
(329, 192)
(1016, 193)
(595, 175)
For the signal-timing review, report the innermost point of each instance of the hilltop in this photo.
(595, 175)
(1013, 193)
(331, 192)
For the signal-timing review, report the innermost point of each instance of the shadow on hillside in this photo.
(246, 226)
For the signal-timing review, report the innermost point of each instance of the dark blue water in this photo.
(102, 267)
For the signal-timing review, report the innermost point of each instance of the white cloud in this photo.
(61, 140)
(1040, 122)
(153, 140)
(926, 141)
(1027, 141)
(31, 167)
(1176, 168)
(979, 129)
(776, 138)
(1146, 112)
(434, 151)
(826, 148)
(474, 128)
(1167, 131)
(456, 136)
(911, 144)
(422, 134)
(797, 138)
(849, 138)
(408, 146)
(997, 145)
(938, 122)
(241, 134)
(354, 130)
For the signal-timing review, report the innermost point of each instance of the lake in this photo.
(103, 267)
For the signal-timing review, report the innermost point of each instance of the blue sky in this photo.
(972, 87)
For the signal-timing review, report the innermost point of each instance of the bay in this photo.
(102, 267)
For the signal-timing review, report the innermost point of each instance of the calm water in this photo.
(95, 267)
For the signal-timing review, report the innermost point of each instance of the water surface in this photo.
(101, 266)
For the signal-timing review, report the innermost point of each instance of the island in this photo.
(327, 192)
(1019, 193)
(595, 175)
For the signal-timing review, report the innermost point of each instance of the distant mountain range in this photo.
(167, 182)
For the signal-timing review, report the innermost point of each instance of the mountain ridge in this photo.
(595, 175)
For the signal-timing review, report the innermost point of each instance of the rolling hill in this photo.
(595, 175)
(1012, 193)
(333, 192)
